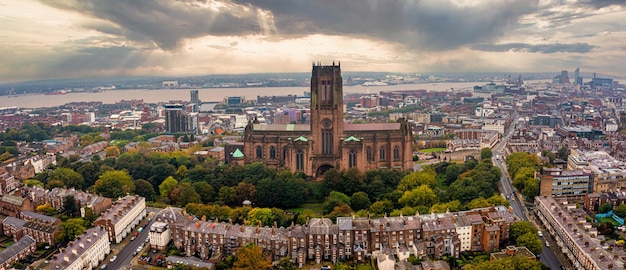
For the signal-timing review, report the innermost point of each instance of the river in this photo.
(205, 94)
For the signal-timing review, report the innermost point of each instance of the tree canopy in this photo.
(114, 184)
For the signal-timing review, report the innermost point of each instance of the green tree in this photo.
(605, 208)
(70, 229)
(520, 228)
(360, 200)
(285, 264)
(167, 186)
(250, 257)
(225, 194)
(497, 199)
(33, 182)
(531, 241)
(70, 207)
(563, 152)
(453, 206)
(335, 198)
(486, 153)
(418, 178)
(263, 215)
(453, 171)
(283, 191)
(379, 208)
(114, 184)
(69, 177)
(144, 189)
(620, 210)
(90, 172)
(205, 191)
(531, 188)
(187, 195)
(422, 195)
(479, 202)
(244, 191)
(508, 263)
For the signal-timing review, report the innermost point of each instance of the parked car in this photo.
(113, 259)
(132, 238)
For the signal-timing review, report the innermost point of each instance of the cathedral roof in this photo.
(237, 153)
(282, 127)
(301, 138)
(367, 127)
(352, 138)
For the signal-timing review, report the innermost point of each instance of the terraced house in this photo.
(350, 238)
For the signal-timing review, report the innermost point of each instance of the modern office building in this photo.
(574, 184)
(176, 119)
(195, 100)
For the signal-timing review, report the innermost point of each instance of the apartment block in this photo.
(122, 217)
(574, 236)
(609, 173)
(85, 252)
(593, 201)
(574, 184)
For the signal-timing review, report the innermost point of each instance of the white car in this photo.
(113, 259)
(540, 234)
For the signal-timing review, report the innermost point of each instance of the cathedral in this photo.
(327, 142)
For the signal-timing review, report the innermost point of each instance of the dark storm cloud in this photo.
(602, 3)
(425, 24)
(420, 24)
(540, 48)
(165, 22)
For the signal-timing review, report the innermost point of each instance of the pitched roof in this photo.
(367, 127)
(16, 248)
(352, 138)
(301, 138)
(282, 127)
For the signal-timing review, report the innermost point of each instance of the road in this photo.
(128, 248)
(547, 255)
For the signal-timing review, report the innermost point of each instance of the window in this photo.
(284, 153)
(382, 153)
(396, 153)
(352, 159)
(370, 157)
(299, 160)
(259, 152)
(326, 92)
(327, 141)
(272, 152)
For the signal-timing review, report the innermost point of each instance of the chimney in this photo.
(203, 217)
(66, 258)
(81, 245)
(197, 224)
(74, 251)
(275, 224)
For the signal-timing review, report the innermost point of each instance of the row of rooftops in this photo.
(121, 208)
(77, 248)
(580, 232)
(41, 195)
(324, 226)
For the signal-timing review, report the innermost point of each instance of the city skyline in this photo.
(70, 39)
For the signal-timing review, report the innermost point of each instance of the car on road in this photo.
(132, 238)
(325, 267)
(547, 244)
(104, 266)
(113, 259)
(148, 240)
(540, 233)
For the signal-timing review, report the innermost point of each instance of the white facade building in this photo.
(160, 235)
(85, 252)
(122, 217)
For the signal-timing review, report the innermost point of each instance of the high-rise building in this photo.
(578, 79)
(175, 118)
(195, 101)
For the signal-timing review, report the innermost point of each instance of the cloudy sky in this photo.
(41, 39)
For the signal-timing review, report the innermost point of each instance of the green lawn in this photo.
(609, 219)
(8, 244)
(432, 150)
(362, 266)
(315, 207)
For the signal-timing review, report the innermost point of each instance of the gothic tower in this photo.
(326, 115)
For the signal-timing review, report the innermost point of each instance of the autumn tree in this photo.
(46, 209)
(250, 257)
(114, 184)
(263, 215)
(112, 151)
(418, 178)
(479, 202)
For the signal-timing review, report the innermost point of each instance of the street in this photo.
(125, 255)
(547, 256)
